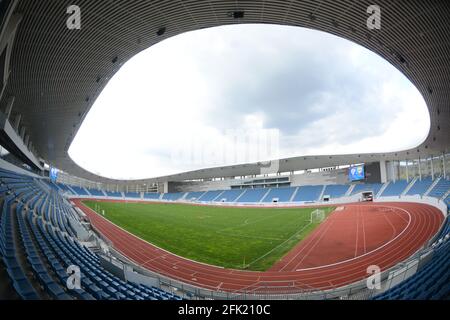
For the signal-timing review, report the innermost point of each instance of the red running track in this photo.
(335, 254)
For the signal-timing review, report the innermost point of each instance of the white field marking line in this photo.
(390, 223)
(253, 222)
(403, 218)
(310, 240)
(247, 236)
(364, 234)
(206, 264)
(370, 252)
(269, 281)
(278, 246)
(255, 237)
(357, 229)
(153, 259)
(231, 270)
(315, 244)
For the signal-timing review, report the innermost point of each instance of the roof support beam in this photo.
(9, 106)
(17, 122)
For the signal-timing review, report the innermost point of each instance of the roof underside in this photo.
(58, 73)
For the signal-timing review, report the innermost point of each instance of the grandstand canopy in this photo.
(56, 74)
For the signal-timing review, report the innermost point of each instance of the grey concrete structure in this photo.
(57, 73)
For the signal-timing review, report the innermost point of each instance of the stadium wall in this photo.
(338, 176)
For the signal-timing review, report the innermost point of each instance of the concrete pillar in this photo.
(432, 168)
(22, 133)
(17, 121)
(383, 173)
(407, 174)
(9, 106)
(420, 171)
(443, 166)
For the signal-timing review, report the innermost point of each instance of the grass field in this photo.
(239, 238)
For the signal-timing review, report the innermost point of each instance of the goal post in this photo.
(317, 216)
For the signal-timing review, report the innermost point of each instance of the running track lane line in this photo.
(210, 274)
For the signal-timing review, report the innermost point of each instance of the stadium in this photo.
(361, 226)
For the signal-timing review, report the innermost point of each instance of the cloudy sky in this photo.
(246, 93)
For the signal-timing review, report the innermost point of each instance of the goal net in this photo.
(317, 216)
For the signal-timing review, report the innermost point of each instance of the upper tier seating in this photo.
(52, 185)
(114, 194)
(308, 193)
(96, 192)
(132, 194)
(64, 188)
(173, 196)
(230, 195)
(191, 196)
(395, 188)
(279, 194)
(210, 195)
(420, 186)
(252, 195)
(152, 195)
(440, 188)
(80, 191)
(336, 190)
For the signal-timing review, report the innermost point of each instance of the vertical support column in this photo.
(394, 174)
(432, 168)
(9, 106)
(443, 166)
(17, 122)
(407, 174)
(420, 171)
(22, 133)
(383, 174)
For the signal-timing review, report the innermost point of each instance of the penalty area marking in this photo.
(278, 246)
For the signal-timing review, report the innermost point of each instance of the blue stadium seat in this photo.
(253, 195)
(47, 243)
(308, 193)
(279, 194)
(440, 188)
(420, 186)
(336, 190)
(152, 195)
(395, 188)
(132, 195)
(229, 195)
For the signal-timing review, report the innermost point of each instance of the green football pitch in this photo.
(238, 238)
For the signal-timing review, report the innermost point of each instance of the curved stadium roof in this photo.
(57, 73)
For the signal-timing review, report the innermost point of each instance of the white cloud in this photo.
(186, 103)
